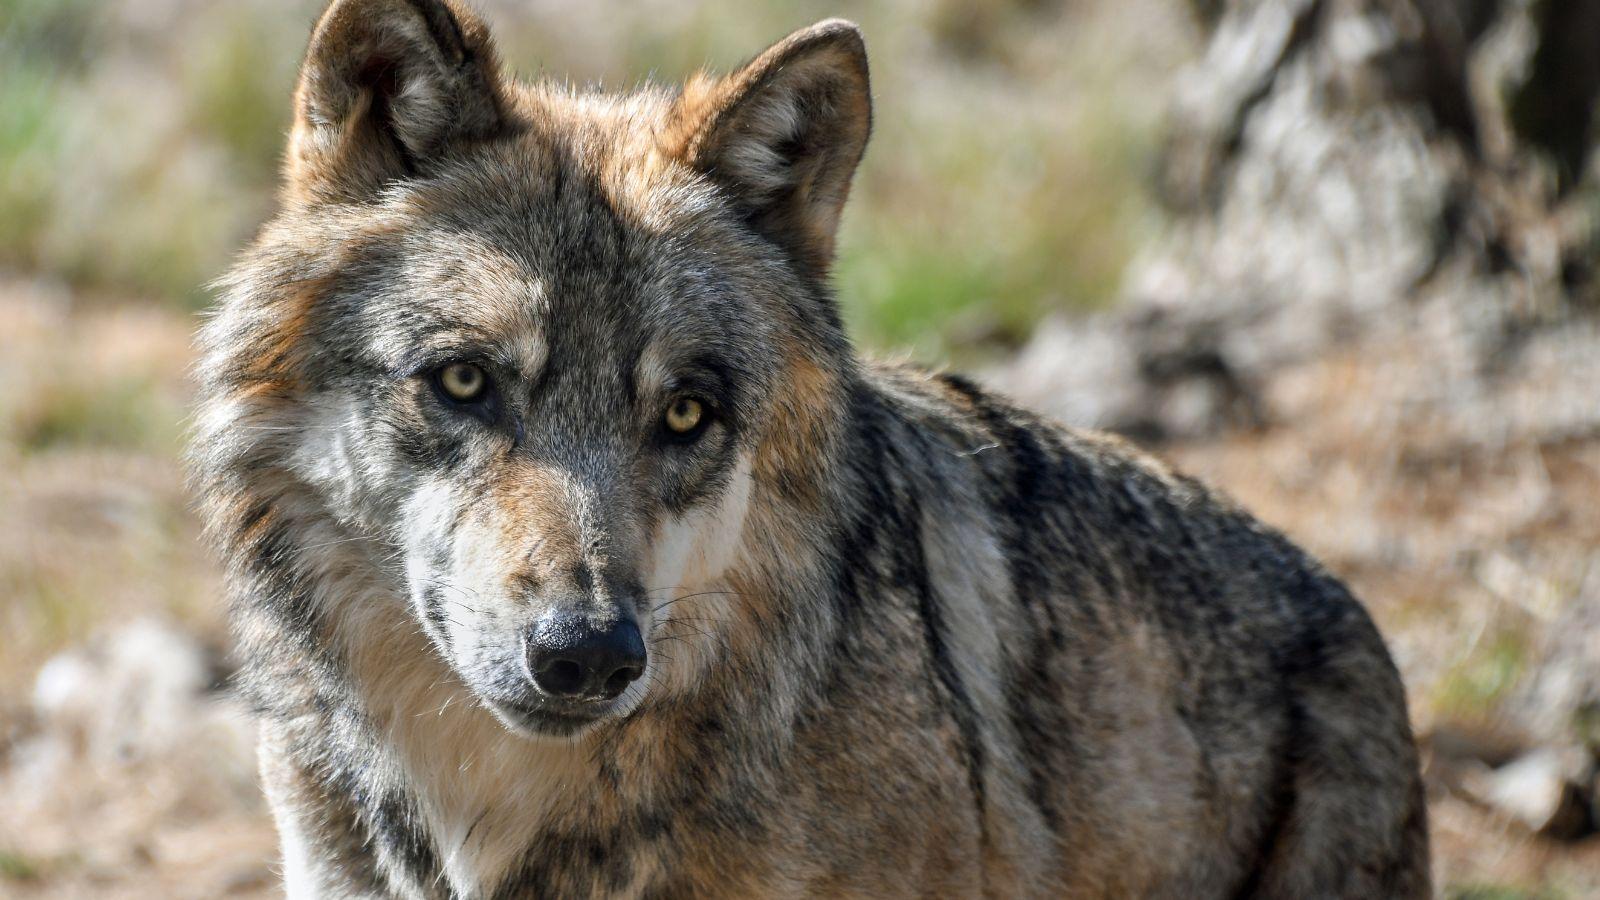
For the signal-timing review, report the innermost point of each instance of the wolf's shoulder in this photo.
(1075, 497)
(987, 426)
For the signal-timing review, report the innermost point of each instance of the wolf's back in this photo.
(1184, 685)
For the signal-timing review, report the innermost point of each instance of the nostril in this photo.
(620, 679)
(562, 676)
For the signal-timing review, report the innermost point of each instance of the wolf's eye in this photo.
(684, 417)
(463, 382)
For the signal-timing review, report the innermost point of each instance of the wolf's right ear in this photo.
(386, 87)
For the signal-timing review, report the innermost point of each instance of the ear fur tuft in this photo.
(783, 135)
(387, 86)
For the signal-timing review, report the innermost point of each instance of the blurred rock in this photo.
(134, 774)
(1561, 699)
(141, 700)
(1549, 791)
(139, 691)
(1134, 374)
(1453, 754)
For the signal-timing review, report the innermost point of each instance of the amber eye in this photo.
(684, 416)
(463, 382)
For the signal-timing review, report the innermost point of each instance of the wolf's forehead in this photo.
(471, 289)
(459, 288)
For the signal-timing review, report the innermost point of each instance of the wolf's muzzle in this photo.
(569, 658)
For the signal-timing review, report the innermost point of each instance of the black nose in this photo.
(570, 658)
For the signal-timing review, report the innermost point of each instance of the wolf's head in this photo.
(543, 349)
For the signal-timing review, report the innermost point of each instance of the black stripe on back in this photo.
(1026, 488)
(890, 531)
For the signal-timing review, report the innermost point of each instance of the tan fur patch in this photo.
(789, 457)
(526, 512)
(273, 370)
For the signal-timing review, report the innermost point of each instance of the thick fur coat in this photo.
(509, 351)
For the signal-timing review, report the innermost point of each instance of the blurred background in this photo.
(1337, 257)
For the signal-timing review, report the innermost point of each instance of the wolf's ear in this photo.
(386, 87)
(783, 135)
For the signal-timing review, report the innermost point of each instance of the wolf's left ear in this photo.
(387, 87)
(784, 135)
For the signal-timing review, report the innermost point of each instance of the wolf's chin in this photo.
(537, 721)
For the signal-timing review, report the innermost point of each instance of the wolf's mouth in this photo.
(537, 720)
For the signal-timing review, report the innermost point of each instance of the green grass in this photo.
(122, 414)
(238, 89)
(973, 218)
(1500, 892)
(54, 34)
(28, 141)
(16, 867)
(1476, 685)
(136, 168)
(136, 162)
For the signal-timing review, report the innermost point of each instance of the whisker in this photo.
(660, 606)
(339, 541)
(473, 827)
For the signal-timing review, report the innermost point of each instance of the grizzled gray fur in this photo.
(574, 552)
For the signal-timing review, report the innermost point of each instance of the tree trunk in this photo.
(1339, 167)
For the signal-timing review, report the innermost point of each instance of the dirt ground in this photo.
(1453, 549)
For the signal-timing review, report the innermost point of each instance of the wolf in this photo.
(573, 551)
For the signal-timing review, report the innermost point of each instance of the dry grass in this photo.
(137, 146)
(94, 526)
(95, 532)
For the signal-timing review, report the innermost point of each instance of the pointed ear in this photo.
(783, 135)
(387, 86)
